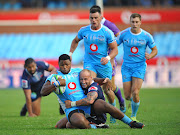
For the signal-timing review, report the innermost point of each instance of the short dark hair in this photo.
(64, 57)
(134, 15)
(28, 61)
(95, 9)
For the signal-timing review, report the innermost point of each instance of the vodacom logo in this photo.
(134, 49)
(71, 85)
(93, 47)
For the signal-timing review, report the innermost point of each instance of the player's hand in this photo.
(68, 103)
(147, 56)
(32, 115)
(107, 84)
(113, 64)
(104, 60)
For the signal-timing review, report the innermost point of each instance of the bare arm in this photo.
(152, 54)
(48, 87)
(74, 44)
(27, 93)
(52, 68)
(91, 97)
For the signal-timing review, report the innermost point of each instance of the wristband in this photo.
(73, 104)
(70, 53)
(108, 57)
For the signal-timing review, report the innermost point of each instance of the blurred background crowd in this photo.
(62, 4)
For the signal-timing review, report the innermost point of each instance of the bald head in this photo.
(85, 78)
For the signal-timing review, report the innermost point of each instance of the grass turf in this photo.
(159, 111)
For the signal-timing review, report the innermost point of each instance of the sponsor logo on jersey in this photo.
(93, 88)
(134, 50)
(24, 83)
(71, 85)
(93, 47)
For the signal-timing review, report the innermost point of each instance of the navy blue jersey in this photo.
(35, 81)
(98, 119)
(95, 87)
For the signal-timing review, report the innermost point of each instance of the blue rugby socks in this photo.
(134, 107)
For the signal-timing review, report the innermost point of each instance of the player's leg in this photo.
(137, 80)
(36, 106)
(78, 120)
(136, 86)
(117, 90)
(118, 94)
(62, 123)
(106, 72)
(100, 106)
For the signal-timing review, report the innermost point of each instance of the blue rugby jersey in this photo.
(135, 45)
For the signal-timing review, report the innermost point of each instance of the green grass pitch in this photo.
(159, 111)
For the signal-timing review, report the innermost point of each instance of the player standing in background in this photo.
(32, 81)
(97, 39)
(135, 41)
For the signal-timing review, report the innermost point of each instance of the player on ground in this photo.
(135, 41)
(32, 81)
(74, 92)
(97, 39)
(99, 107)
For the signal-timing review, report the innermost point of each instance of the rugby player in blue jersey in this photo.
(73, 92)
(32, 81)
(97, 39)
(135, 41)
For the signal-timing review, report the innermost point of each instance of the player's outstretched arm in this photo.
(91, 97)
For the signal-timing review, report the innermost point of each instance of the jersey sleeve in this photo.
(150, 42)
(43, 65)
(119, 39)
(25, 84)
(93, 89)
(49, 78)
(110, 36)
(114, 28)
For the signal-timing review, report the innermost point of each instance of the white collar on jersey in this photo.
(95, 30)
(134, 33)
(103, 20)
(92, 82)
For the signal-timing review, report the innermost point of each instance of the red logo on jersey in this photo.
(71, 85)
(134, 49)
(93, 88)
(93, 47)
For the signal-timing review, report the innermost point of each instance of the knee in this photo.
(127, 97)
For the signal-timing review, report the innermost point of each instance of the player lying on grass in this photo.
(73, 91)
(95, 98)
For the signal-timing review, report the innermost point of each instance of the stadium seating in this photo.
(51, 45)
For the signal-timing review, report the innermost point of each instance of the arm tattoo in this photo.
(91, 96)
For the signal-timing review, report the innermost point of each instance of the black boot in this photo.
(23, 111)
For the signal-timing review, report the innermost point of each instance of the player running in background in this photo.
(116, 90)
(32, 81)
(135, 41)
(97, 39)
